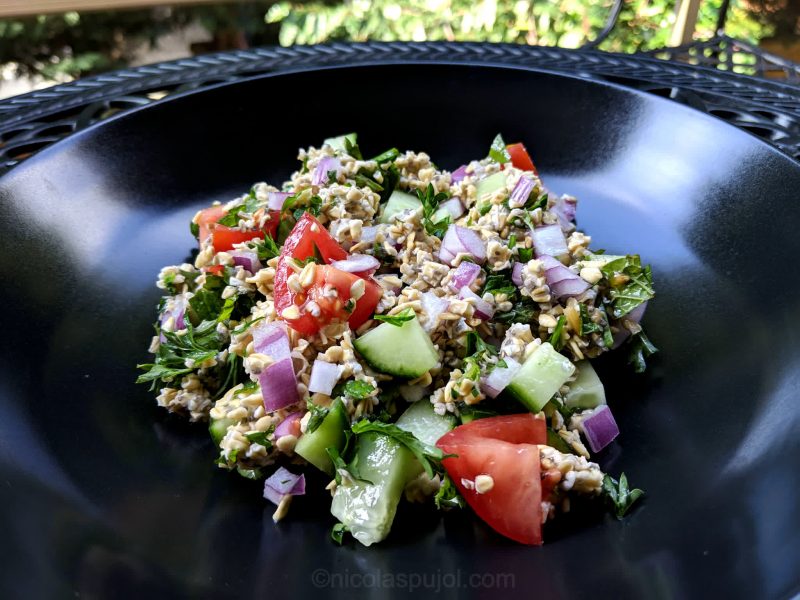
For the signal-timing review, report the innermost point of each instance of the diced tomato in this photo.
(223, 237)
(520, 158)
(505, 448)
(215, 269)
(306, 234)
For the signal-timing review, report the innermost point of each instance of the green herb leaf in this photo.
(484, 208)
(556, 441)
(426, 454)
(397, 320)
(498, 151)
(266, 248)
(500, 283)
(630, 283)
(430, 203)
(477, 349)
(352, 149)
(195, 229)
(388, 156)
(448, 497)
(254, 474)
(538, 203)
(358, 390)
(524, 311)
(364, 181)
(512, 241)
(259, 437)
(379, 252)
(618, 496)
(525, 254)
(318, 414)
(338, 531)
(639, 349)
(587, 325)
(557, 337)
(162, 372)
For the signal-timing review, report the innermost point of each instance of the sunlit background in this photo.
(39, 49)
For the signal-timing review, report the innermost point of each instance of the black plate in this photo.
(104, 495)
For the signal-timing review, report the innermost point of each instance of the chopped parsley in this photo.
(498, 151)
(500, 283)
(430, 203)
(318, 414)
(557, 337)
(259, 437)
(587, 325)
(630, 284)
(512, 241)
(397, 320)
(523, 311)
(358, 390)
(266, 248)
(618, 496)
(195, 229)
(388, 156)
(352, 149)
(639, 349)
(448, 497)
(525, 254)
(338, 531)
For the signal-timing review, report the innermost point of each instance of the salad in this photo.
(415, 334)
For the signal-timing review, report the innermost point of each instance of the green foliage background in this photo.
(73, 44)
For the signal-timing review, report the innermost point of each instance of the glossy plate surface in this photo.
(104, 495)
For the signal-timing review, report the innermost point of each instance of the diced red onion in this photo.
(550, 240)
(247, 259)
(433, 307)
(562, 281)
(516, 273)
(289, 426)
(483, 310)
(499, 378)
(368, 234)
(634, 316)
(283, 482)
(358, 263)
(275, 200)
(454, 207)
(458, 174)
(565, 208)
(177, 313)
(458, 240)
(464, 276)
(521, 191)
(329, 163)
(271, 339)
(600, 428)
(324, 376)
(278, 385)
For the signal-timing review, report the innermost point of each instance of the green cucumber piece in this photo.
(540, 377)
(397, 203)
(440, 215)
(587, 390)
(403, 350)
(367, 506)
(218, 428)
(329, 434)
(337, 143)
(490, 184)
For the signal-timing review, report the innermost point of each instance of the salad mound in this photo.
(411, 332)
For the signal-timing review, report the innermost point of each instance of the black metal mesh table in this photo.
(31, 122)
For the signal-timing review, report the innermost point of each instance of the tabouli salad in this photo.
(411, 332)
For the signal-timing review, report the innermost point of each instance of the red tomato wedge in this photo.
(504, 448)
(223, 237)
(306, 234)
(520, 158)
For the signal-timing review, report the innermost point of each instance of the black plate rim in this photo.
(132, 113)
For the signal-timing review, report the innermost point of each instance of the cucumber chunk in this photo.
(587, 390)
(330, 433)
(490, 184)
(337, 143)
(218, 428)
(367, 506)
(397, 203)
(403, 351)
(540, 377)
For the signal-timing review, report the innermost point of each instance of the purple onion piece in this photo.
(550, 240)
(433, 307)
(454, 207)
(516, 273)
(271, 339)
(358, 263)
(324, 376)
(458, 174)
(247, 259)
(278, 385)
(483, 310)
(521, 192)
(329, 163)
(569, 287)
(472, 242)
(466, 273)
(275, 200)
(286, 426)
(600, 428)
(565, 208)
(368, 234)
(283, 482)
(499, 378)
(635, 316)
